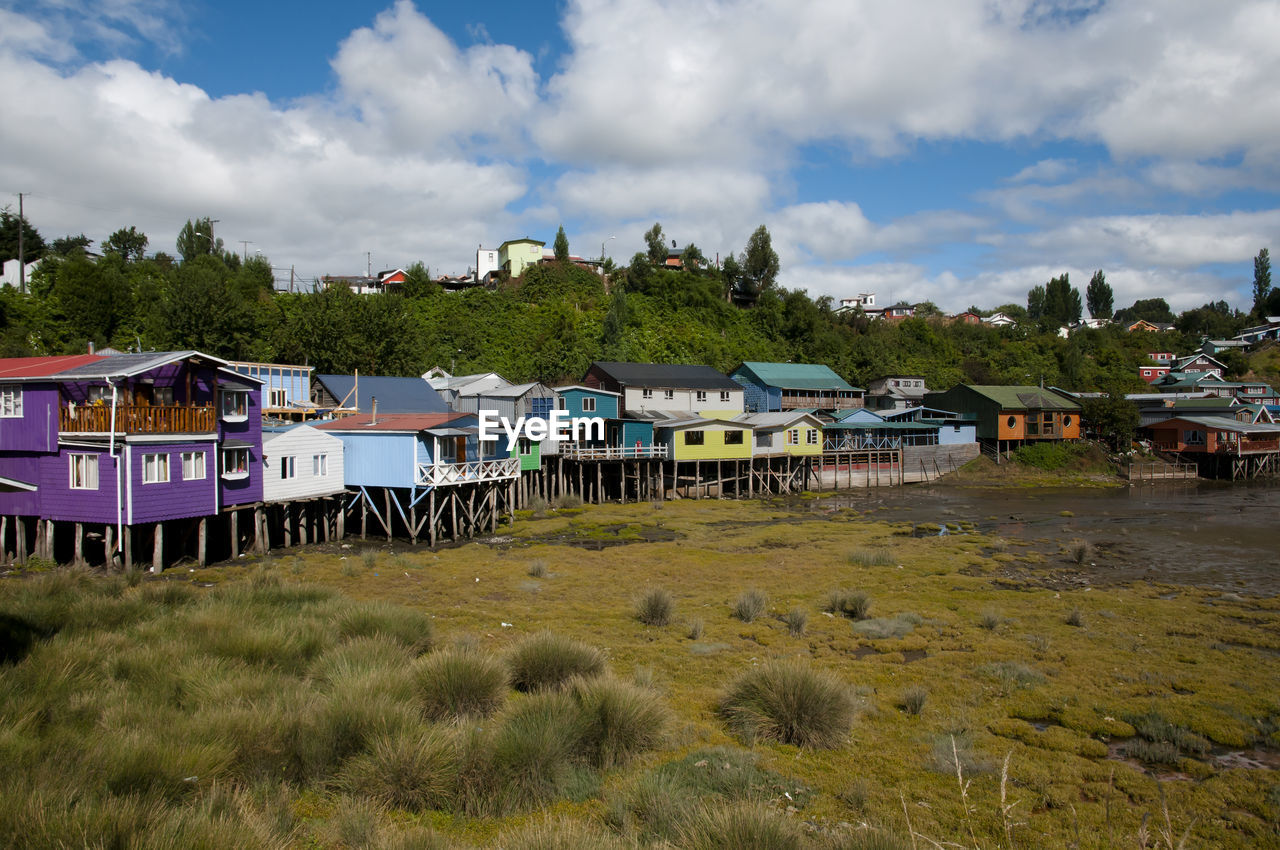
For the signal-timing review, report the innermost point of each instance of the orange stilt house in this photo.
(1011, 416)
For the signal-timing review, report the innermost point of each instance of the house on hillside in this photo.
(346, 394)
(674, 387)
(999, 320)
(968, 317)
(1200, 362)
(516, 255)
(896, 392)
(1150, 327)
(1010, 416)
(794, 386)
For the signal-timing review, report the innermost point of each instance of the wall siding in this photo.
(59, 502)
(713, 447)
(302, 444)
(176, 498)
(37, 429)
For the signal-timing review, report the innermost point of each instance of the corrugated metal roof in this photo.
(395, 395)
(797, 376)
(774, 420)
(43, 367)
(674, 375)
(1024, 398)
(128, 365)
(1222, 423)
(401, 422)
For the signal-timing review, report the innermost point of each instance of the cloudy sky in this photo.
(960, 151)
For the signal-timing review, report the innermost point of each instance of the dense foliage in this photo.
(554, 320)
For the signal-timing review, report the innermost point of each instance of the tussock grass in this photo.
(913, 699)
(796, 620)
(1011, 675)
(538, 569)
(750, 605)
(412, 629)
(743, 826)
(788, 701)
(1080, 551)
(990, 619)
(1075, 618)
(619, 720)
(696, 629)
(559, 834)
(655, 607)
(884, 628)
(458, 683)
(854, 604)
(411, 768)
(567, 500)
(871, 558)
(548, 660)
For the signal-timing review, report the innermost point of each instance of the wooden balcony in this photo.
(822, 402)
(1245, 447)
(471, 472)
(138, 419)
(575, 452)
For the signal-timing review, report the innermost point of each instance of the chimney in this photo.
(91, 346)
(374, 421)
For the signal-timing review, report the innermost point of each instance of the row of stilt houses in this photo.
(151, 459)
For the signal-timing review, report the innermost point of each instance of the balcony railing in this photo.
(471, 472)
(1249, 446)
(138, 419)
(573, 452)
(822, 402)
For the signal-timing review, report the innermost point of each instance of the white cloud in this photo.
(1045, 171)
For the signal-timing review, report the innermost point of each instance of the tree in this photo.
(691, 257)
(1035, 302)
(562, 245)
(418, 282)
(1112, 418)
(1061, 301)
(67, 245)
(1099, 296)
(730, 276)
(129, 244)
(33, 246)
(196, 240)
(657, 243)
(760, 264)
(1261, 279)
(1150, 309)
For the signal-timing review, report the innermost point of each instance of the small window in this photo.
(811, 437)
(155, 469)
(278, 398)
(1193, 438)
(288, 469)
(694, 438)
(646, 394)
(84, 472)
(1011, 422)
(235, 463)
(235, 405)
(764, 441)
(162, 396)
(1066, 421)
(319, 465)
(733, 438)
(669, 394)
(193, 466)
(724, 395)
(793, 437)
(11, 401)
(561, 403)
(702, 395)
(525, 447)
(588, 404)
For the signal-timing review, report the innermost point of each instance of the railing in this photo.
(861, 442)
(1161, 471)
(138, 419)
(824, 402)
(1249, 446)
(471, 472)
(574, 452)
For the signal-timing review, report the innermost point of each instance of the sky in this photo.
(956, 151)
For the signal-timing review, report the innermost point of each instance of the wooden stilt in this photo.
(79, 551)
(341, 518)
(453, 513)
(364, 514)
(157, 551)
(235, 534)
(108, 542)
(126, 543)
(431, 517)
(202, 542)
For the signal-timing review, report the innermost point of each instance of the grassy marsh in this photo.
(290, 693)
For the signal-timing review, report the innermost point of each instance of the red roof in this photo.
(390, 422)
(43, 367)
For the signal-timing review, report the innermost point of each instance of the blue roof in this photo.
(394, 395)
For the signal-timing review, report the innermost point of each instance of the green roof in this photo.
(1024, 398)
(796, 376)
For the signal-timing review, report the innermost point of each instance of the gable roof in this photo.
(1017, 397)
(407, 423)
(584, 388)
(12, 368)
(774, 420)
(394, 395)
(672, 376)
(795, 376)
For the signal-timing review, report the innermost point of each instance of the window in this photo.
(694, 438)
(288, 469)
(1193, 438)
(1011, 422)
(235, 463)
(155, 469)
(193, 466)
(793, 437)
(764, 441)
(724, 395)
(646, 394)
(702, 395)
(279, 398)
(320, 465)
(669, 394)
(525, 447)
(99, 393)
(235, 405)
(1066, 421)
(811, 437)
(560, 403)
(84, 472)
(733, 438)
(588, 404)
(162, 395)
(11, 401)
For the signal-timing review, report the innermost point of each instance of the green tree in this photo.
(1112, 418)
(657, 244)
(33, 246)
(67, 245)
(1261, 279)
(418, 282)
(730, 276)
(1035, 303)
(128, 243)
(1099, 296)
(195, 239)
(1061, 301)
(1150, 309)
(616, 321)
(760, 264)
(691, 258)
(562, 245)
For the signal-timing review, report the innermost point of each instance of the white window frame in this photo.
(83, 471)
(588, 404)
(320, 465)
(702, 395)
(811, 437)
(646, 393)
(234, 405)
(155, 468)
(793, 436)
(194, 466)
(668, 394)
(288, 468)
(232, 470)
(724, 395)
(10, 401)
(278, 397)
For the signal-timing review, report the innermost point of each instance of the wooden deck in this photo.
(138, 419)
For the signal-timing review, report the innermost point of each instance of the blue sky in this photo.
(959, 151)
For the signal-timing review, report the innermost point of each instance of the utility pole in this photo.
(22, 257)
(291, 278)
(368, 264)
(244, 249)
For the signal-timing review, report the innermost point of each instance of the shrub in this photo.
(1152, 752)
(796, 620)
(538, 569)
(345, 723)
(412, 769)
(538, 505)
(369, 557)
(853, 604)
(695, 628)
(455, 683)
(883, 628)
(990, 620)
(1080, 551)
(1075, 618)
(788, 701)
(655, 607)
(412, 629)
(567, 500)
(547, 660)
(750, 604)
(871, 558)
(1154, 727)
(913, 699)
(1046, 455)
(1011, 675)
(742, 826)
(618, 719)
